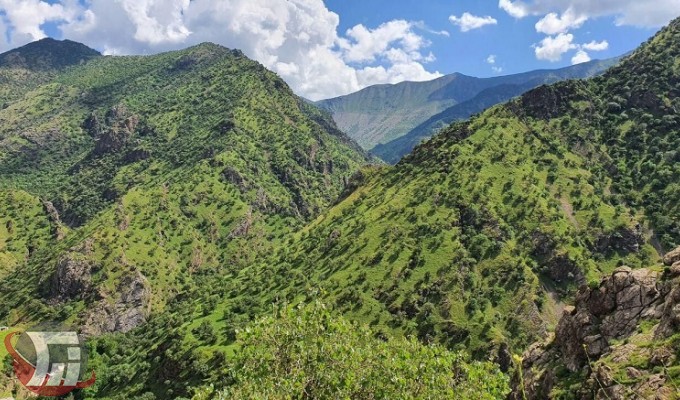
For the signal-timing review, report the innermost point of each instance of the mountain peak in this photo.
(47, 54)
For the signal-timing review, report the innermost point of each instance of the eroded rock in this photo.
(116, 132)
(672, 257)
(603, 331)
(124, 313)
(72, 279)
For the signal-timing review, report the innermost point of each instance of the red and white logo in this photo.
(53, 366)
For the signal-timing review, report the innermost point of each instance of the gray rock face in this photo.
(670, 315)
(124, 314)
(587, 331)
(72, 279)
(611, 311)
(58, 228)
(672, 257)
(119, 127)
(626, 240)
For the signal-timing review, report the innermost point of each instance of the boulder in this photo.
(116, 132)
(672, 257)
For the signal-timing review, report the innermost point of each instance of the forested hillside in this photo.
(126, 182)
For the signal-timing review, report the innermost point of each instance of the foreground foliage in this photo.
(308, 353)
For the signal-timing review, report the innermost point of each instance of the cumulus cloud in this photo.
(298, 39)
(468, 22)
(644, 13)
(516, 9)
(596, 46)
(580, 57)
(491, 60)
(553, 23)
(26, 17)
(559, 17)
(553, 47)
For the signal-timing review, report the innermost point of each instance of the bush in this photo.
(307, 353)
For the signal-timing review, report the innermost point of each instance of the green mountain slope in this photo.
(26, 68)
(476, 238)
(125, 181)
(473, 242)
(179, 198)
(381, 114)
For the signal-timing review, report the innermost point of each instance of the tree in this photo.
(308, 353)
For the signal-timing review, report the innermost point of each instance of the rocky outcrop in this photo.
(122, 314)
(672, 257)
(116, 132)
(624, 240)
(58, 229)
(72, 279)
(557, 265)
(120, 310)
(604, 339)
(611, 311)
(670, 312)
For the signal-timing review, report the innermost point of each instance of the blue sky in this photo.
(334, 47)
(510, 39)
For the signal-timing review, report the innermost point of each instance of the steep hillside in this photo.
(26, 68)
(476, 238)
(176, 199)
(474, 241)
(381, 114)
(126, 182)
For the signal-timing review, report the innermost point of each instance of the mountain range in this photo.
(390, 120)
(213, 235)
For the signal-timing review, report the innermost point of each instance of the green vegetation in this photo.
(308, 353)
(24, 69)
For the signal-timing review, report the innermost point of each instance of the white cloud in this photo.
(26, 17)
(468, 22)
(491, 60)
(157, 22)
(298, 39)
(516, 9)
(365, 45)
(553, 23)
(580, 57)
(644, 13)
(596, 46)
(423, 26)
(553, 47)
(559, 17)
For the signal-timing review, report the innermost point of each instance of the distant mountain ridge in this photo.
(47, 55)
(390, 120)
